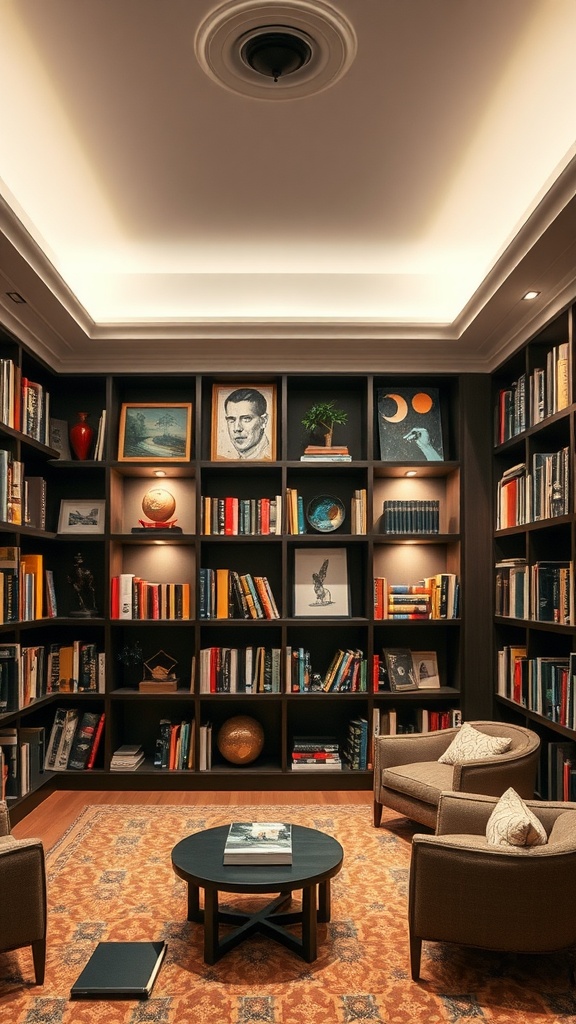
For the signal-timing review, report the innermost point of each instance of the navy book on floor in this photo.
(120, 970)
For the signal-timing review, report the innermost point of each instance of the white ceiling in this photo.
(150, 214)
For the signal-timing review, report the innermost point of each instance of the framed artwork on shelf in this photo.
(400, 669)
(59, 438)
(426, 670)
(156, 431)
(410, 424)
(81, 516)
(321, 585)
(243, 423)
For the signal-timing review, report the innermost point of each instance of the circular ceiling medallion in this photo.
(231, 40)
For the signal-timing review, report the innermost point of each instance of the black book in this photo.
(120, 970)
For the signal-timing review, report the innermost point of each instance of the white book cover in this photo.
(258, 842)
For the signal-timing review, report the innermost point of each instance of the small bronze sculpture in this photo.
(82, 581)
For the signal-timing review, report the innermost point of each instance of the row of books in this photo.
(24, 404)
(533, 397)
(346, 673)
(132, 597)
(175, 746)
(434, 597)
(22, 752)
(386, 723)
(28, 672)
(544, 684)
(22, 583)
(411, 516)
(22, 497)
(240, 670)
(227, 594)
(74, 740)
(542, 592)
(231, 516)
(544, 493)
(561, 763)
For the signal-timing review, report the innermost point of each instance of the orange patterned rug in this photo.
(110, 878)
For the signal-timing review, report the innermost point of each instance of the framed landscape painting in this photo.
(159, 431)
(243, 422)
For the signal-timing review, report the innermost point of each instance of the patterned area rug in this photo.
(110, 878)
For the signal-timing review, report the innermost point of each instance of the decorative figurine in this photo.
(159, 505)
(82, 581)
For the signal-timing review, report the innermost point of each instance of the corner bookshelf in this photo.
(177, 558)
(534, 542)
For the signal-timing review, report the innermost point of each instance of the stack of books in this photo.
(326, 453)
(316, 753)
(127, 758)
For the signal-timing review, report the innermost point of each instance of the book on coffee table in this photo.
(120, 970)
(258, 842)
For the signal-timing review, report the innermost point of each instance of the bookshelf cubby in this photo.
(155, 555)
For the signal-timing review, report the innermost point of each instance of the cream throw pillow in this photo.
(512, 823)
(469, 745)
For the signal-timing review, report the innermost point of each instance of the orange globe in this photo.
(240, 739)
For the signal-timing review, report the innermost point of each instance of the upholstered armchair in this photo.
(507, 898)
(409, 778)
(23, 889)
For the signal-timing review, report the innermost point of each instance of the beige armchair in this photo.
(23, 888)
(409, 779)
(466, 891)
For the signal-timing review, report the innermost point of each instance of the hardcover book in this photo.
(120, 970)
(258, 842)
(410, 424)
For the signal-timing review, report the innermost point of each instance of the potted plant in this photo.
(324, 416)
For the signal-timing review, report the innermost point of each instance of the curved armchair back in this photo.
(409, 779)
(466, 891)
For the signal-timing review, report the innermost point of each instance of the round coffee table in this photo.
(316, 858)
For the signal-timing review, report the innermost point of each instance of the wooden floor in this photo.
(53, 816)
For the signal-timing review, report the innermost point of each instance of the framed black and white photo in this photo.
(426, 670)
(243, 423)
(321, 584)
(161, 431)
(81, 516)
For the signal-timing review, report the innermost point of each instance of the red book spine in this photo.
(265, 515)
(96, 741)
(115, 597)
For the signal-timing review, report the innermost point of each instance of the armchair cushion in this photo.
(420, 781)
(470, 745)
(512, 823)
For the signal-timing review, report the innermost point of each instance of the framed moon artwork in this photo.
(410, 424)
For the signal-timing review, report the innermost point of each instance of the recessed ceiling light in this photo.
(159, 472)
(530, 295)
(17, 298)
(411, 472)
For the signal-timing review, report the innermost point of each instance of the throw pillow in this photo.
(512, 823)
(469, 745)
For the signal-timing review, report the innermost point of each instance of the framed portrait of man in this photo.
(243, 423)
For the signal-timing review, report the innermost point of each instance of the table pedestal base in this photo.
(270, 920)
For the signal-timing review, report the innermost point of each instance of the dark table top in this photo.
(198, 859)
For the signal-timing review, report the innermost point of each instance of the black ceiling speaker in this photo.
(276, 54)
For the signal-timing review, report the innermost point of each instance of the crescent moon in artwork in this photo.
(401, 409)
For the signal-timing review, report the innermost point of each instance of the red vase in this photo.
(81, 435)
